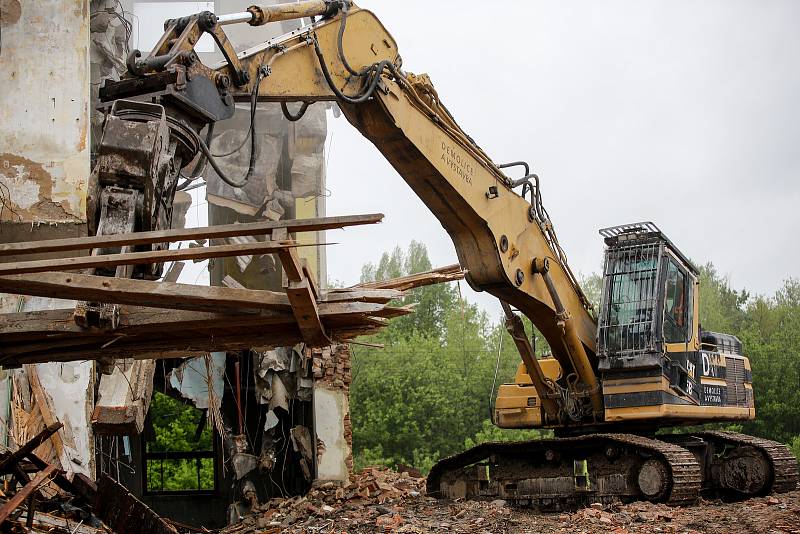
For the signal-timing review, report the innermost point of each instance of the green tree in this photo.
(432, 303)
(722, 309)
(490, 432)
(592, 286)
(771, 338)
(431, 387)
(175, 426)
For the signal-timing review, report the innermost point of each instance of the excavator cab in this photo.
(648, 302)
(650, 357)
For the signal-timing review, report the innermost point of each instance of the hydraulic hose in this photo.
(224, 177)
(253, 145)
(296, 117)
(377, 69)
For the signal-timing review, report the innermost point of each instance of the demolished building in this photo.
(268, 420)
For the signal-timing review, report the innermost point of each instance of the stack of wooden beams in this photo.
(161, 319)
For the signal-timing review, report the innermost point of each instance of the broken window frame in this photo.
(212, 454)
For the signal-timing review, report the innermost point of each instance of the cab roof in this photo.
(640, 233)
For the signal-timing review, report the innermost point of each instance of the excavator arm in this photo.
(504, 239)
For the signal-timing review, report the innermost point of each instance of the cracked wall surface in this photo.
(44, 131)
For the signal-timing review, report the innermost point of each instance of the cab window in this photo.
(677, 302)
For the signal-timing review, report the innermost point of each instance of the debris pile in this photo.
(774, 514)
(372, 497)
(381, 500)
(38, 497)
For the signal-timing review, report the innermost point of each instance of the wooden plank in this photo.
(291, 264)
(142, 292)
(124, 513)
(45, 407)
(310, 277)
(44, 522)
(28, 447)
(362, 295)
(63, 482)
(187, 234)
(304, 304)
(8, 508)
(306, 313)
(136, 320)
(123, 399)
(440, 275)
(138, 258)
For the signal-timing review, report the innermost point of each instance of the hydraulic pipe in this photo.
(239, 414)
(259, 15)
(517, 330)
(578, 357)
(234, 18)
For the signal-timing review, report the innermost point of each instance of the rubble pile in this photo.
(372, 499)
(60, 513)
(775, 515)
(380, 500)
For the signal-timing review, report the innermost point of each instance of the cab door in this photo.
(679, 329)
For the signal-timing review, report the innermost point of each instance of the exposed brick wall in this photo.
(331, 368)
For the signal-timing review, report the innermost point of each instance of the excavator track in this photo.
(783, 468)
(566, 473)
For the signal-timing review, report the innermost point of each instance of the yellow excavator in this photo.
(639, 364)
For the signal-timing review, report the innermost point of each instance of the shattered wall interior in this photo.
(275, 420)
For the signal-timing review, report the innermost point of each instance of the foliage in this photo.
(432, 302)
(431, 387)
(592, 286)
(771, 337)
(175, 425)
(795, 445)
(722, 309)
(490, 432)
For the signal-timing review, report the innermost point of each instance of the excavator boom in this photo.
(500, 236)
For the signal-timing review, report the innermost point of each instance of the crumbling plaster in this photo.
(44, 145)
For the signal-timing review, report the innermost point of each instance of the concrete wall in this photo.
(44, 140)
(330, 409)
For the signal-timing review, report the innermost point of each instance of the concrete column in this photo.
(44, 171)
(332, 376)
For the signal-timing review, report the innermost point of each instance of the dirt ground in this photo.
(378, 500)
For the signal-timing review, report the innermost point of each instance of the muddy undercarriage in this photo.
(567, 473)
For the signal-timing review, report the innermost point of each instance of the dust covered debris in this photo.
(380, 500)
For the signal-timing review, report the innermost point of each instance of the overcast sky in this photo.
(683, 113)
